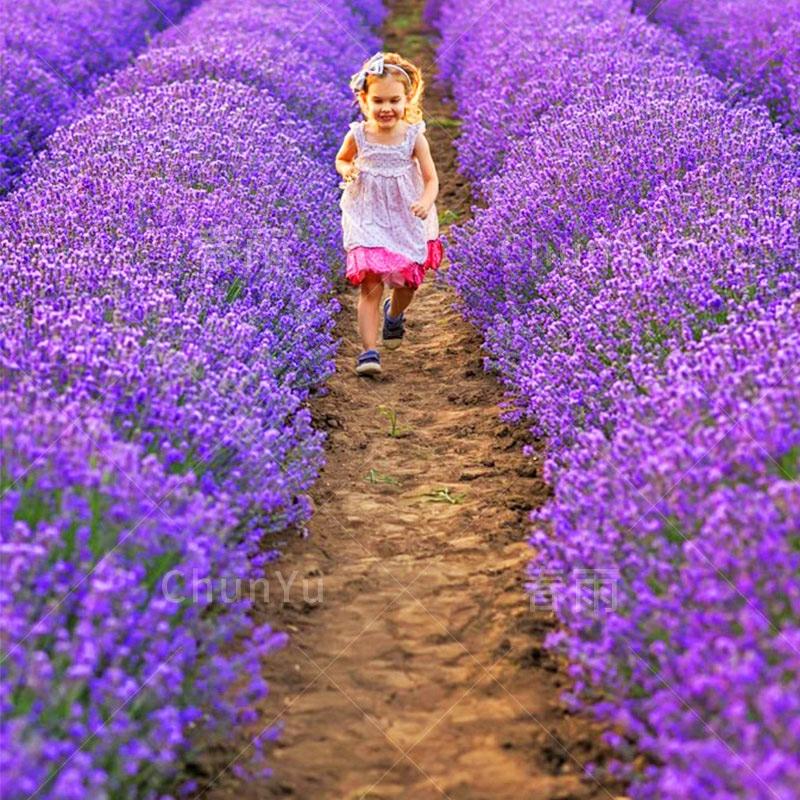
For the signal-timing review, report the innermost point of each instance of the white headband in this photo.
(375, 66)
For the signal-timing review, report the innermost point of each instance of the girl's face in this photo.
(385, 101)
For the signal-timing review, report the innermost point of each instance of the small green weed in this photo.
(373, 476)
(443, 495)
(445, 122)
(395, 430)
(448, 216)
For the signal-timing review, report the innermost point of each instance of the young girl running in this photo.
(390, 224)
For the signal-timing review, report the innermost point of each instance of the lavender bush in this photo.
(694, 507)
(753, 45)
(275, 60)
(633, 267)
(52, 53)
(165, 312)
(629, 287)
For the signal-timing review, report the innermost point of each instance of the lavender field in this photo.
(753, 47)
(635, 276)
(52, 54)
(165, 314)
(602, 381)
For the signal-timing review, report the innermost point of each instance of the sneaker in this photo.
(368, 363)
(393, 329)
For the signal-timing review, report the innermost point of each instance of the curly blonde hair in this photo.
(414, 87)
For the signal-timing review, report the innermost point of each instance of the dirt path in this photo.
(419, 673)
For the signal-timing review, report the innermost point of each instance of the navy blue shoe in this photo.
(393, 329)
(368, 363)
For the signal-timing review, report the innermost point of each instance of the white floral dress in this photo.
(380, 232)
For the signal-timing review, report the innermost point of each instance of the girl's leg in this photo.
(401, 298)
(368, 304)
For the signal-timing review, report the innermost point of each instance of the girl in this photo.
(389, 221)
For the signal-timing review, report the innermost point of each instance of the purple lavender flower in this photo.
(632, 265)
(52, 54)
(166, 311)
(754, 46)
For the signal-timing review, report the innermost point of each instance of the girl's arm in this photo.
(347, 152)
(422, 150)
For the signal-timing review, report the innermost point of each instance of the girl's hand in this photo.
(351, 173)
(420, 209)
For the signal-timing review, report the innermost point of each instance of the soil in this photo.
(416, 666)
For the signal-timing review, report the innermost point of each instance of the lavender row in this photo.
(632, 220)
(686, 524)
(53, 53)
(753, 45)
(165, 313)
(633, 268)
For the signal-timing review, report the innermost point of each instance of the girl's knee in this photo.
(371, 286)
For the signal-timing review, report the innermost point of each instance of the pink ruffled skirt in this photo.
(394, 269)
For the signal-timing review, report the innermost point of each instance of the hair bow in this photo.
(375, 66)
